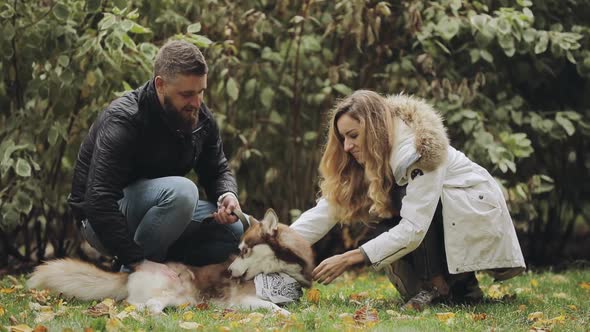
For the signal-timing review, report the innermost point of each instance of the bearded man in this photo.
(129, 191)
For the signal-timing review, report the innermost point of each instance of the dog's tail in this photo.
(78, 279)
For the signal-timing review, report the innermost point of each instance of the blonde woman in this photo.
(453, 218)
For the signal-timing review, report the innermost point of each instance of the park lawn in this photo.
(365, 300)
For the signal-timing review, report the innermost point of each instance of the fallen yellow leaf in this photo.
(129, 308)
(476, 317)
(572, 307)
(188, 315)
(20, 328)
(2, 311)
(313, 295)
(44, 316)
(534, 283)
(255, 317)
(359, 296)
(558, 320)
(558, 278)
(522, 307)
(114, 325)
(561, 295)
(347, 318)
(190, 325)
(445, 316)
(7, 290)
(535, 316)
(585, 285)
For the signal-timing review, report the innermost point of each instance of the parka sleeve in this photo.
(315, 223)
(212, 168)
(418, 207)
(109, 171)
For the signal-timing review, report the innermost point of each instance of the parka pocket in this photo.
(482, 198)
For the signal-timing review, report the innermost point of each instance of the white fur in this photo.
(262, 259)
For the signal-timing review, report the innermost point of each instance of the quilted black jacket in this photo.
(131, 140)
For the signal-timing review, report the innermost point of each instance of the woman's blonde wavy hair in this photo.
(360, 192)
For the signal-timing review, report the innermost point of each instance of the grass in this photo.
(356, 301)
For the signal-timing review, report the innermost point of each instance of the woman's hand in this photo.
(331, 268)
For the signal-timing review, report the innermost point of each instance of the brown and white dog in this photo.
(266, 247)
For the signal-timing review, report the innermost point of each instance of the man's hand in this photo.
(153, 267)
(227, 206)
(332, 267)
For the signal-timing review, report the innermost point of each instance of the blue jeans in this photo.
(167, 219)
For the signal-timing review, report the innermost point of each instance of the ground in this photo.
(364, 300)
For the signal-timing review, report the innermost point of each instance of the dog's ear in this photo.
(253, 221)
(270, 222)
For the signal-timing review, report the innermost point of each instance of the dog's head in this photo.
(268, 246)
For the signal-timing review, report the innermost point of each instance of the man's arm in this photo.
(109, 172)
(213, 169)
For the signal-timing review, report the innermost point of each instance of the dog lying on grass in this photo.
(267, 248)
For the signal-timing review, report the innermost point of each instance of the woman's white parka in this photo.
(478, 230)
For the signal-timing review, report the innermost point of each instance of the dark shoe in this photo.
(424, 299)
(505, 273)
(467, 290)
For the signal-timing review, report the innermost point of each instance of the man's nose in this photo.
(196, 102)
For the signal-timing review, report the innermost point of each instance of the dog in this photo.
(266, 247)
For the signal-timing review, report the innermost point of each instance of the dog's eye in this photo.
(245, 252)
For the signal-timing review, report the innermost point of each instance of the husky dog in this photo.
(267, 247)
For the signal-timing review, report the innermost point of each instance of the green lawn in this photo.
(364, 301)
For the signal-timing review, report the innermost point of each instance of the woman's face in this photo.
(350, 129)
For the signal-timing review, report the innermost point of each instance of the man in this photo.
(129, 189)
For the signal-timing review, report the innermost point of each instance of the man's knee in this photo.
(183, 193)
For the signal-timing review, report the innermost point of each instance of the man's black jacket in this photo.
(131, 140)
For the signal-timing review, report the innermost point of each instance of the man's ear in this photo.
(159, 83)
(270, 223)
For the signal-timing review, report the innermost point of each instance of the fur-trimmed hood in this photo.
(420, 140)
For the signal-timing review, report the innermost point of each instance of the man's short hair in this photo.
(179, 57)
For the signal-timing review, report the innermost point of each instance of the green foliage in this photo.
(509, 78)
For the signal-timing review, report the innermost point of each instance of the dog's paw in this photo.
(282, 312)
(154, 306)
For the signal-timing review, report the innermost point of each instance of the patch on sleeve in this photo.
(416, 172)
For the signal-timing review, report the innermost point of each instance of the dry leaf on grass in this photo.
(190, 325)
(202, 306)
(359, 296)
(115, 325)
(572, 307)
(366, 315)
(585, 285)
(445, 316)
(2, 311)
(313, 295)
(40, 328)
(7, 290)
(534, 283)
(20, 328)
(106, 307)
(44, 316)
(13, 320)
(477, 317)
(535, 316)
(188, 315)
(253, 318)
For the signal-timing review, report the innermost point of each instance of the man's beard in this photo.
(180, 119)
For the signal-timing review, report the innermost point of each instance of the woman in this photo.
(376, 147)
